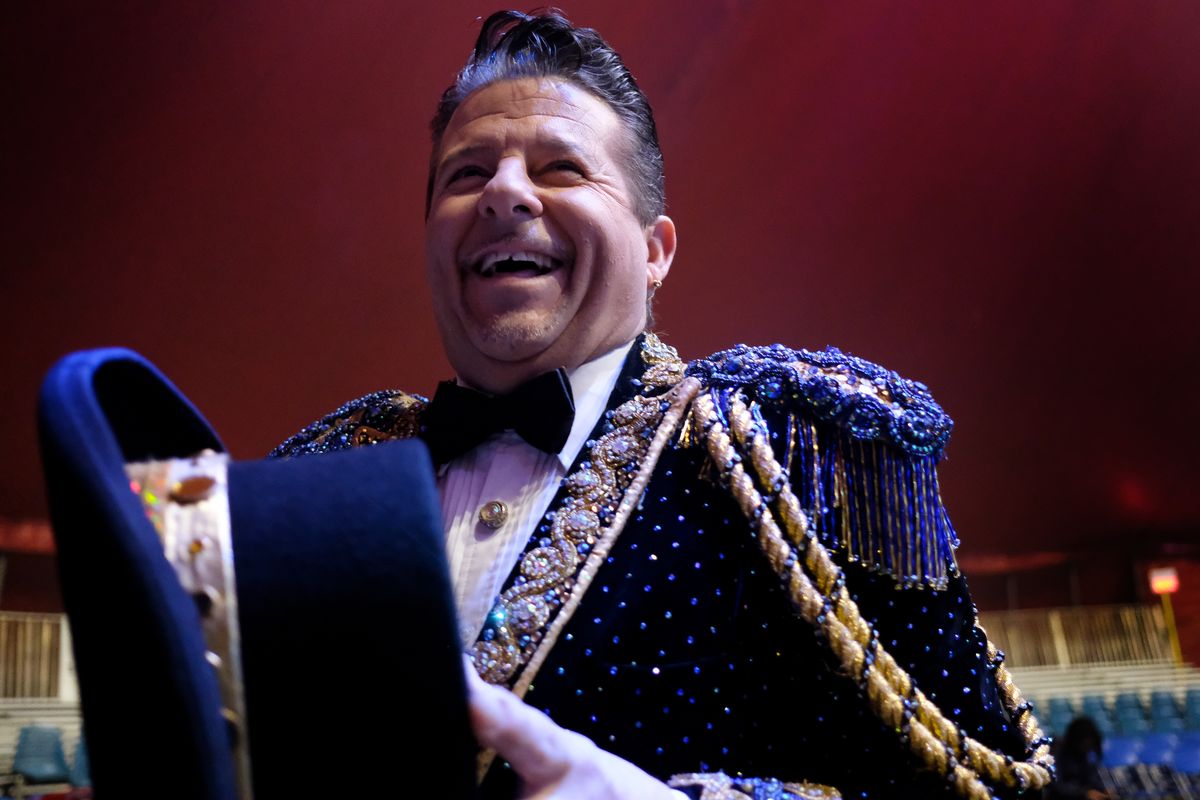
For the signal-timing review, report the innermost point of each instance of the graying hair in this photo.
(546, 45)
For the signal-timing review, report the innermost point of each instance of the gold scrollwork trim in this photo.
(532, 613)
(552, 577)
(719, 786)
(679, 398)
(547, 574)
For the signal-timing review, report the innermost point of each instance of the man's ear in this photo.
(660, 243)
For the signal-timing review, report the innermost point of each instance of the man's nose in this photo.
(509, 194)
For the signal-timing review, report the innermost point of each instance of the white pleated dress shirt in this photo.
(522, 477)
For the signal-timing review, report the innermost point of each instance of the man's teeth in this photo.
(516, 262)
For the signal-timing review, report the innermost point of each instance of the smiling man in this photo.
(729, 578)
(538, 253)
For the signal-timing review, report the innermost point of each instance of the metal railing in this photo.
(35, 657)
(32, 654)
(1080, 635)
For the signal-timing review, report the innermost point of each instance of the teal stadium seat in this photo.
(1165, 714)
(39, 756)
(1093, 706)
(1167, 723)
(1191, 710)
(1058, 715)
(1131, 722)
(1127, 701)
(1057, 723)
(1129, 714)
(80, 771)
(1163, 699)
(1059, 705)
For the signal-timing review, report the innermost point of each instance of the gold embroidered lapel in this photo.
(599, 496)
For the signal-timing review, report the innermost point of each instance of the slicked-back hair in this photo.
(546, 45)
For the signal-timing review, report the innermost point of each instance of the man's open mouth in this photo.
(531, 264)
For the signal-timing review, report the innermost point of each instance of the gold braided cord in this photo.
(982, 759)
(996, 766)
(817, 587)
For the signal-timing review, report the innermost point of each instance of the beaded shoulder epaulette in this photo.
(860, 444)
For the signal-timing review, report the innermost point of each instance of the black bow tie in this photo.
(540, 410)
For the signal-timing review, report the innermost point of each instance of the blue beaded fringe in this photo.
(879, 505)
(864, 469)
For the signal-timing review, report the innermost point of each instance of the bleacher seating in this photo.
(1149, 714)
(18, 714)
(40, 762)
(1157, 765)
(1122, 698)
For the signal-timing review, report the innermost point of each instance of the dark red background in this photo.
(1000, 200)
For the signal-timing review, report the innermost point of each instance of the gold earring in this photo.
(657, 285)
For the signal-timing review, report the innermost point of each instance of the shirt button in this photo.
(493, 514)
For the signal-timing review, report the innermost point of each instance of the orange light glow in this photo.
(1164, 580)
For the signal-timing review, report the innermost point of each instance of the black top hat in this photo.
(353, 679)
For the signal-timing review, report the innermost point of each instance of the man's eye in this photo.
(566, 166)
(465, 172)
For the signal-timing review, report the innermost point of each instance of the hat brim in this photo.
(345, 609)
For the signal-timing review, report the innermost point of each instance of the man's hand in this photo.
(553, 763)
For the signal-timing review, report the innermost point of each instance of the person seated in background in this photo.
(734, 576)
(1077, 758)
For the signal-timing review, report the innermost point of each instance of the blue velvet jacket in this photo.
(746, 585)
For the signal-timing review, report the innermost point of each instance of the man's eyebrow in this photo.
(560, 145)
(550, 143)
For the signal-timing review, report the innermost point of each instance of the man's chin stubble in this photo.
(517, 337)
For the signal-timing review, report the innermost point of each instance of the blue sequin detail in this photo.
(913, 421)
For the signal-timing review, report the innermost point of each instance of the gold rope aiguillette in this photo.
(814, 580)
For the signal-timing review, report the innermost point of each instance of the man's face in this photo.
(535, 256)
